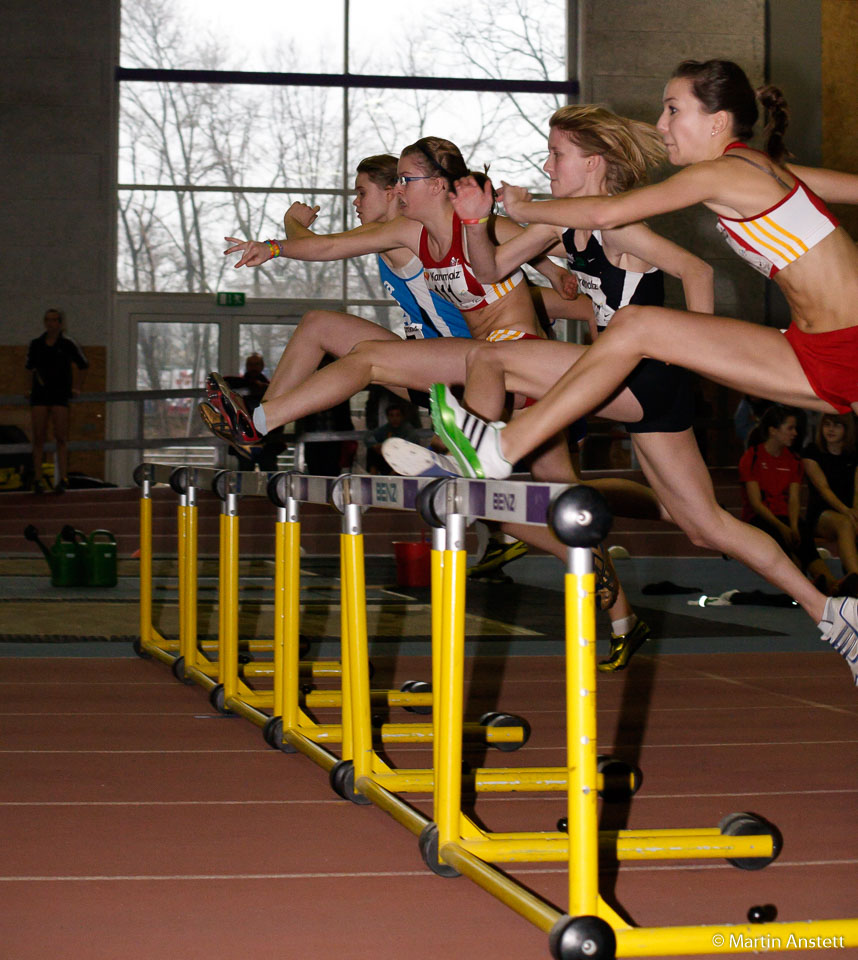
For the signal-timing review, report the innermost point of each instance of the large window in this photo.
(206, 155)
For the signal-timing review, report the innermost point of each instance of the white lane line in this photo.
(371, 874)
(165, 803)
(253, 749)
(546, 796)
(222, 876)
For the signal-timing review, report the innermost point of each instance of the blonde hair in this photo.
(629, 147)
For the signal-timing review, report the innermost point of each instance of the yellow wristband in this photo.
(481, 220)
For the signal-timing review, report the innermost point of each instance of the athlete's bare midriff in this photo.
(821, 287)
(514, 311)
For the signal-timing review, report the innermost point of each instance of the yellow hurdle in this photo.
(151, 643)
(451, 843)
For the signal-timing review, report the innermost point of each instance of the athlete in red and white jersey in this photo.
(451, 276)
(771, 240)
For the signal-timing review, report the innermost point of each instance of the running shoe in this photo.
(232, 410)
(474, 442)
(412, 460)
(839, 626)
(623, 646)
(496, 554)
(220, 427)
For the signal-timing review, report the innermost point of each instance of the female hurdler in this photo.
(771, 214)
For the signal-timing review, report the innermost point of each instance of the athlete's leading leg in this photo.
(744, 356)
(402, 363)
(675, 469)
(318, 333)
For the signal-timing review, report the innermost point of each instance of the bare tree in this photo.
(217, 153)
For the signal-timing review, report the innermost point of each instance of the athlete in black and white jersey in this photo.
(591, 151)
(609, 286)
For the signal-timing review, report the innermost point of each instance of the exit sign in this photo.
(230, 299)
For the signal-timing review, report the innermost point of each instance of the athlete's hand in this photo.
(253, 253)
(304, 214)
(470, 201)
(565, 283)
(515, 200)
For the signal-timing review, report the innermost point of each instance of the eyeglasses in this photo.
(402, 181)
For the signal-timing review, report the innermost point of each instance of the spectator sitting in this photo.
(396, 426)
(831, 463)
(771, 475)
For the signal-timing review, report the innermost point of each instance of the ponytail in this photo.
(776, 114)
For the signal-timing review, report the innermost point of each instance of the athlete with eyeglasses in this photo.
(429, 229)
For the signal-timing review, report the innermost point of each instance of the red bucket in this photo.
(412, 563)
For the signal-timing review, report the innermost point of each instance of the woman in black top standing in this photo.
(51, 357)
(830, 463)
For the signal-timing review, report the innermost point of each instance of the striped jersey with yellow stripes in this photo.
(776, 237)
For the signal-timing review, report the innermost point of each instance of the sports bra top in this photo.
(424, 313)
(774, 238)
(452, 278)
(608, 286)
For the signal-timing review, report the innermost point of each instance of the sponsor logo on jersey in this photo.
(450, 283)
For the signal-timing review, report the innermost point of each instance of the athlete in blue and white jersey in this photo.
(424, 313)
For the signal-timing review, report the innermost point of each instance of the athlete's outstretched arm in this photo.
(369, 238)
(833, 186)
(694, 184)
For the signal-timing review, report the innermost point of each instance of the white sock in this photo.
(494, 462)
(259, 420)
(624, 625)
